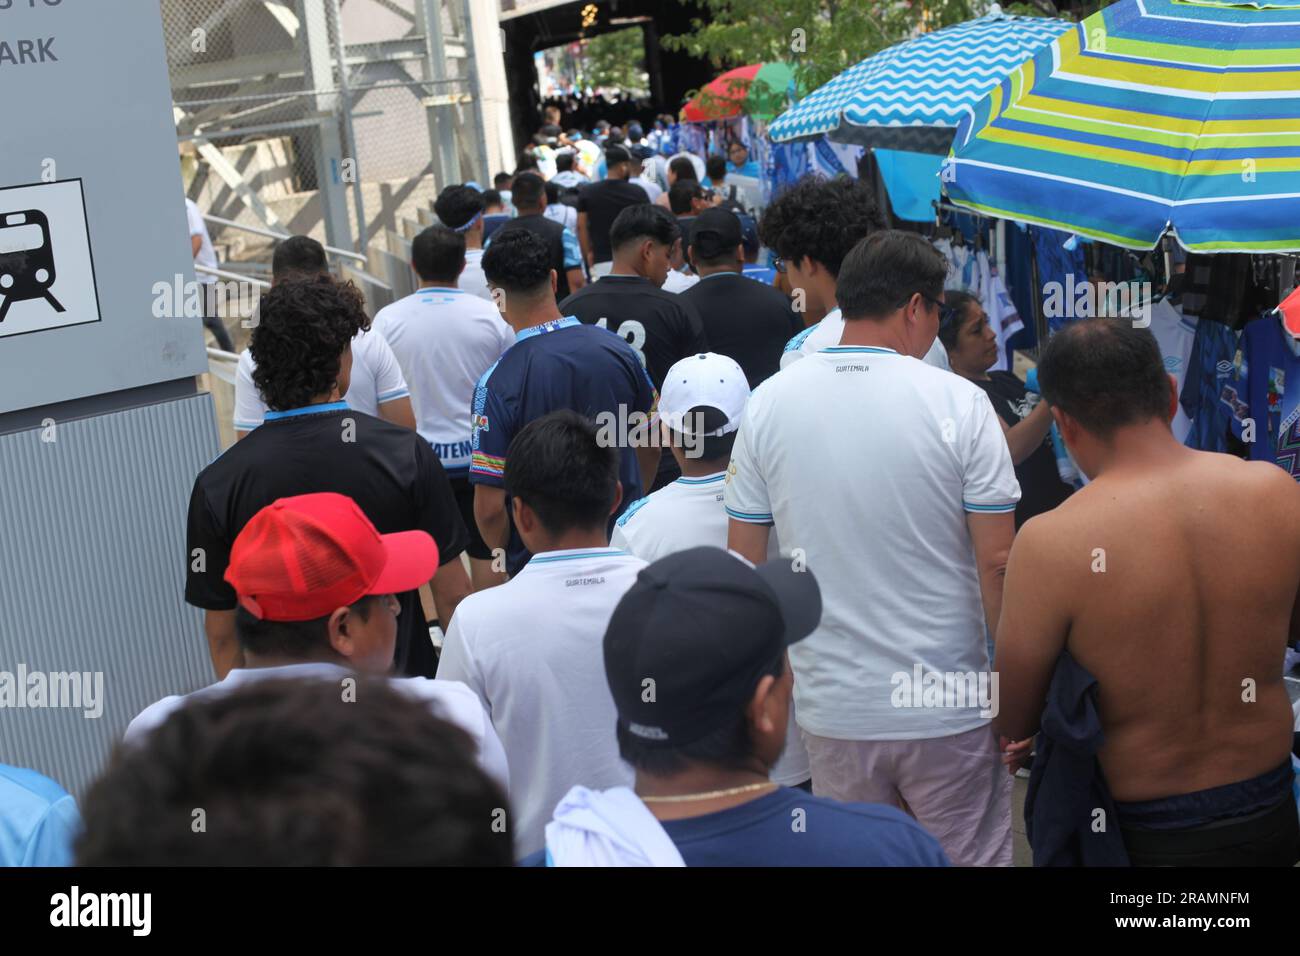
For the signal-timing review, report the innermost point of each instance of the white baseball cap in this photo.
(707, 379)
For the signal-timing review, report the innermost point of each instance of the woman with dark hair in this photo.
(972, 347)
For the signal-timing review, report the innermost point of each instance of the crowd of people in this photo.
(608, 546)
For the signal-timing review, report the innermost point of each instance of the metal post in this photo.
(483, 173)
(319, 70)
(363, 238)
(438, 104)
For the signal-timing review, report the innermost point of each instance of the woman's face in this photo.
(976, 347)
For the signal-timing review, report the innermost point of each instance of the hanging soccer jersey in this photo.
(1210, 395)
(1270, 367)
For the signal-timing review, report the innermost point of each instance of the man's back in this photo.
(540, 671)
(444, 339)
(602, 202)
(553, 234)
(763, 832)
(389, 471)
(562, 364)
(449, 700)
(1185, 628)
(745, 320)
(913, 450)
(661, 327)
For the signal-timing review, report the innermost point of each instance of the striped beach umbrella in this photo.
(757, 90)
(1150, 115)
(912, 95)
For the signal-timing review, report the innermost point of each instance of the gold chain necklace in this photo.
(711, 795)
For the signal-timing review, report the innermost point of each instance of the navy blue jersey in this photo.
(561, 364)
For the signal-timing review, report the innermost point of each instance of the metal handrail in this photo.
(238, 277)
(274, 234)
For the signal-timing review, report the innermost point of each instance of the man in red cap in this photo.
(316, 586)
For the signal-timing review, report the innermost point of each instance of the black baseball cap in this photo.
(704, 625)
(715, 233)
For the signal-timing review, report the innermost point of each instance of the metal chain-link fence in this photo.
(338, 119)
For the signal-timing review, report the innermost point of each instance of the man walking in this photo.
(892, 480)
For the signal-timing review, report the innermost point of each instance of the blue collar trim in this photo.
(307, 410)
(552, 326)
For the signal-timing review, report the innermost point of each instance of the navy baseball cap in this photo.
(693, 636)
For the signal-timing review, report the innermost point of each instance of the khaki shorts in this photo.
(956, 787)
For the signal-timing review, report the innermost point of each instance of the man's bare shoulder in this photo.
(1046, 541)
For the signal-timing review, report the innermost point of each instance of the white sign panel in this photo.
(92, 209)
(47, 276)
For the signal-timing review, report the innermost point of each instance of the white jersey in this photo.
(207, 255)
(448, 700)
(689, 513)
(652, 189)
(532, 650)
(830, 330)
(893, 456)
(678, 281)
(472, 280)
(376, 379)
(566, 216)
(1175, 333)
(444, 340)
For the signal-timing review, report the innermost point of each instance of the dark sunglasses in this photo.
(947, 314)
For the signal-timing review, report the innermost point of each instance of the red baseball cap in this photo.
(300, 558)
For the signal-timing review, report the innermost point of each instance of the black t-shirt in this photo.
(389, 471)
(602, 202)
(1041, 488)
(661, 327)
(745, 320)
(551, 233)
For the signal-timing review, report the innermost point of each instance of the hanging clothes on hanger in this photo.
(1210, 389)
(1270, 384)
(1175, 334)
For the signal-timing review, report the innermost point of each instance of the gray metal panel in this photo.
(100, 114)
(92, 529)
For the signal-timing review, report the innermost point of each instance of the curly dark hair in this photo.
(517, 261)
(821, 219)
(304, 327)
(457, 205)
(290, 773)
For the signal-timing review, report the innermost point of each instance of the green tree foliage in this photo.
(614, 60)
(821, 38)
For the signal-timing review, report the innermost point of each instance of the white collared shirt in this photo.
(532, 650)
(444, 340)
(869, 462)
(689, 513)
(449, 700)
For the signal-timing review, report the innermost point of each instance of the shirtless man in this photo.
(1174, 579)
